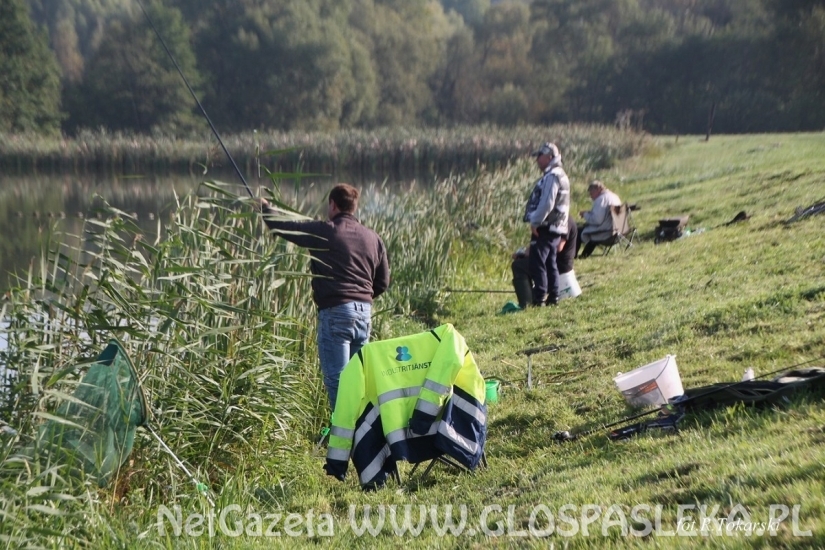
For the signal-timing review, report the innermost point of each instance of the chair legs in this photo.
(433, 462)
(443, 460)
(627, 240)
(589, 248)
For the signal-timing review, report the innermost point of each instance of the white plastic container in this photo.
(568, 285)
(652, 384)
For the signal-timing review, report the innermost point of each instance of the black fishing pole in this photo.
(448, 289)
(816, 208)
(567, 436)
(191, 91)
(485, 291)
(668, 409)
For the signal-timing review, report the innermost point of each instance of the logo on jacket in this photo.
(403, 353)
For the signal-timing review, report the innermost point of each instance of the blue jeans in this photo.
(342, 330)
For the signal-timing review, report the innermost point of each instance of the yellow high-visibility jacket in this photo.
(410, 398)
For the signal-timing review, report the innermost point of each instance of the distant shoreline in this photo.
(396, 152)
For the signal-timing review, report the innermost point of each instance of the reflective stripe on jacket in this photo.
(411, 398)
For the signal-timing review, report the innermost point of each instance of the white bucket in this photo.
(568, 285)
(652, 384)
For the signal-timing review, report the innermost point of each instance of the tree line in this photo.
(665, 66)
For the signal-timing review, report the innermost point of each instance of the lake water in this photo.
(35, 207)
(39, 210)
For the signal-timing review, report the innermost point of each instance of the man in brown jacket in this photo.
(350, 268)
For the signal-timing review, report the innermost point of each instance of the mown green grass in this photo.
(747, 295)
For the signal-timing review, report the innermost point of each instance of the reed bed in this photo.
(217, 316)
(390, 152)
(209, 319)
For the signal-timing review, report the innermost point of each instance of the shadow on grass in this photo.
(670, 473)
(815, 294)
(440, 474)
(523, 430)
(276, 495)
(809, 473)
(745, 315)
(720, 491)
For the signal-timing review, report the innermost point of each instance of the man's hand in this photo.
(261, 203)
(534, 231)
(521, 253)
(583, 212)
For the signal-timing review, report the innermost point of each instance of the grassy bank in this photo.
(721, 300)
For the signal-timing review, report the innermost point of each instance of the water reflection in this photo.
(34, 208)
(37, 210)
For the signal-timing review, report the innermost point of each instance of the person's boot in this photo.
(539, 302)
(524, 291)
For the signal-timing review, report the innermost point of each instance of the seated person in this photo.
(568, 286)
(598, 222)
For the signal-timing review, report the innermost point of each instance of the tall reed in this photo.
(384, 152)
(207, 315)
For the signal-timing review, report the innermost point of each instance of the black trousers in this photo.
(522, 283)
(543, 268)
(589, 247)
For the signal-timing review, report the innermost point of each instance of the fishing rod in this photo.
(565, 435)
(530, 353)
(540, 349)
(484, 291)
(201, 487)
(816, 208)
(669, 409)
(191, 91)
(448, 289)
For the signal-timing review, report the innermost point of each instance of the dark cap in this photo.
(547, 149)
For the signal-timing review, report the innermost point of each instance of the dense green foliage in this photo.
(131, 84)
(29, 75)
(76, 28)
(661, 65)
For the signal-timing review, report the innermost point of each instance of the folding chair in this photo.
(623, 229)
(440, 460)
(418, 398)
